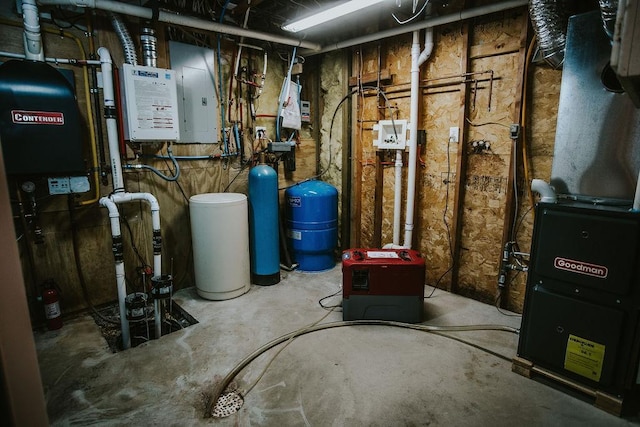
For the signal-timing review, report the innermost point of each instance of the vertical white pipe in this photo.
(110, 118)
(413, 139)
(636, 199)
(121, 285)
(397, 198)
(31, 37)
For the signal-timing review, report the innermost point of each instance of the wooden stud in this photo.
(510, 207)
(461, 162)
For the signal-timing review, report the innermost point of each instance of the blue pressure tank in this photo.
(264, 226)
(312, 224)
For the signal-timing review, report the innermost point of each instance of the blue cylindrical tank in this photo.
(264, 226)
(312, 224)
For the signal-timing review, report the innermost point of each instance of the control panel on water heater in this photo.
(150, 104)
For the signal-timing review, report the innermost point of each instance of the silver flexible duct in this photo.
(549, 24)
(130, 55)
(608, 11)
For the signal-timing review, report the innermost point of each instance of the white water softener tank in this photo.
(220, 236)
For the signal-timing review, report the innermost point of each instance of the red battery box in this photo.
(383, 284)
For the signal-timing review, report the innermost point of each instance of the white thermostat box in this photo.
(150, 104)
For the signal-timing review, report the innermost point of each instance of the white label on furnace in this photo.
(294, 234)
(372, 254)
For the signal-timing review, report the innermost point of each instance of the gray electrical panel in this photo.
(197, 101)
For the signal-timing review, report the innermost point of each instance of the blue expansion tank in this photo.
(312, 224)
(264, 226)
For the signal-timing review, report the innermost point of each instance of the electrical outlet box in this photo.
(305, 111)
(392, 134)
(514, 131)
(260, 132)
(454, 134)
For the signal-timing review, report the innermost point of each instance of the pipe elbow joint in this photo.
(547, 193)
(105, 55)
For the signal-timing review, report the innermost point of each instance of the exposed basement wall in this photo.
(494, 44)
(54, 259)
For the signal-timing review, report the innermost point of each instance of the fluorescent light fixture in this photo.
(342, 9)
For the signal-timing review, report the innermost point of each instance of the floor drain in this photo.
(107, 318)
(228, 404)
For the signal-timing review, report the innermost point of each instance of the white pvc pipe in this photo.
(413, 139)
(110, 118)
(120, 196)
(397, 198)
(31, 36)
(547, 193)
(121, 285)
(182, 20)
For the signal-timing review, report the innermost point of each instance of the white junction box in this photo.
(150, 104)
(392, 134)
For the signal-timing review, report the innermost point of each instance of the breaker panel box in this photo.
(383, 284)
(197, 100)
(582, 302)
(150, 104)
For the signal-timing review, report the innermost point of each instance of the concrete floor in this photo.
(353, 376)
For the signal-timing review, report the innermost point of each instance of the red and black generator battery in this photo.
(383, 284)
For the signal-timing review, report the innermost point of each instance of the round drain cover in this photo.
(227, 404)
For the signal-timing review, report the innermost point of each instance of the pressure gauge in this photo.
(28, 187)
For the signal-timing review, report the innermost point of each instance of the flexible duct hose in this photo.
(549, 24)
(608, 11)
(130, 56)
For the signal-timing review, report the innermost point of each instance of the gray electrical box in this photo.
(197, 101)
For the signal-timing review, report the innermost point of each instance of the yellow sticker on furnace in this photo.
(584, 357)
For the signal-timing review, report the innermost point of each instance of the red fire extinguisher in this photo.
(52, 312)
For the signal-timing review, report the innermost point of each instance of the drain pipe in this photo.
(110, 118)
(416, 57)
(120, 196)
(547, 193)
(397, 200)
(116, 238)
(31, 36)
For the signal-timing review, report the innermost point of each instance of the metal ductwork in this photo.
(550, 25)
(608, 11)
